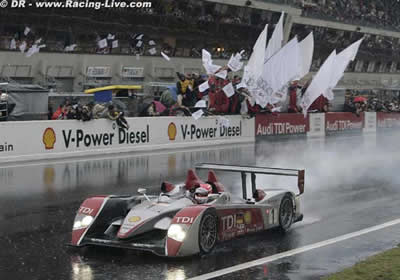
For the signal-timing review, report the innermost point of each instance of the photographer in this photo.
(117, 116)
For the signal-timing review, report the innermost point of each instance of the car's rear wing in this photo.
(253, 170)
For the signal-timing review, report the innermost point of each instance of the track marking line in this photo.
(293, 252)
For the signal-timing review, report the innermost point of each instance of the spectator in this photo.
(293, 97)
(321, 104)
(218, 101)
(186, 97)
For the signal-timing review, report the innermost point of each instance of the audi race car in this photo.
(191, 218)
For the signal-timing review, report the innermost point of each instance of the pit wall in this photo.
(321, 125)
(38, 140)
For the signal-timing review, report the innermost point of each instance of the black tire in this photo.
(208, 232)
(286, 213)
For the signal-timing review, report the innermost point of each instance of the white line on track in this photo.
(294, 251)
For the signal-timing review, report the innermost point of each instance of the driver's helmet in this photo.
(3, 97)
(202, 192)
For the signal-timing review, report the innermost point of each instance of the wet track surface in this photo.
(352, 183)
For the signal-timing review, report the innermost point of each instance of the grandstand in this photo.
(181, 29)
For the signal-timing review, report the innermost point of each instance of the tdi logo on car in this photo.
(85, 210)
(185, 220)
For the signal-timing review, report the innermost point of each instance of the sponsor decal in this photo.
(343, 122)
(285, 124)
(172, 131)
(49, 138)
(388, 120)
(247, 217)
(6, 147)
(194, 132)
(280, 129)
(184, 220)
(235, 223)
(134, 219)
(86, 210)
(79, 138)
(343, 125)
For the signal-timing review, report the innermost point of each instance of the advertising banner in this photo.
(53, 139)
(281, 124)
(343, 122)
(388, 120)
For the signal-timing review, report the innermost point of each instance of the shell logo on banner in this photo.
(172, 131)
(49, 138)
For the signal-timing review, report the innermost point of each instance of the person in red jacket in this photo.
(218, 101)
(321, 104)
(293, 108)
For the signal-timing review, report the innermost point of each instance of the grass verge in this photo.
(384, 266)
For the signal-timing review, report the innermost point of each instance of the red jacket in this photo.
(216, 96)
(293, 99)
(319, 103)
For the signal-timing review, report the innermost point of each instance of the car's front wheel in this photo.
(208, 232)
(286, 213)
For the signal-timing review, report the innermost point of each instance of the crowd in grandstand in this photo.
(381, 13)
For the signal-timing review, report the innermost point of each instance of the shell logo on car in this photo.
(172, 131)
(134, 219)
(49, 138)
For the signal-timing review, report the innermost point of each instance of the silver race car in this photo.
(191, 218)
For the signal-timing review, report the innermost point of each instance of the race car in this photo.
(190, 218)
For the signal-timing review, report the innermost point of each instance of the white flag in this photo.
(234, 63)
(153, 51)
(206, 56)
(319, 84)
(204, 86)
(102, 44)
(201, 104)
(27, 30)
(229, 90)
(255, 65)
(165, 56)
(152, 43)
(275, 43)
(342, 60)
(222, 74)
(32, 50)
(70, 48)
(306, 51)
(13, 44)
(115, 44)
(197, 115)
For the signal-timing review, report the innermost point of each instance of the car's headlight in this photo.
(177, 232)
(82, 221)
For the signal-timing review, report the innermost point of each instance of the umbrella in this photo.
(174, 92)
(159, 106)
(359, 99)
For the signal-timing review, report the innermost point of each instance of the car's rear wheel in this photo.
(208, 232)
(286, 213)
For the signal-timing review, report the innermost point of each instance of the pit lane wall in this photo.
(324, 124)
(37, 140)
